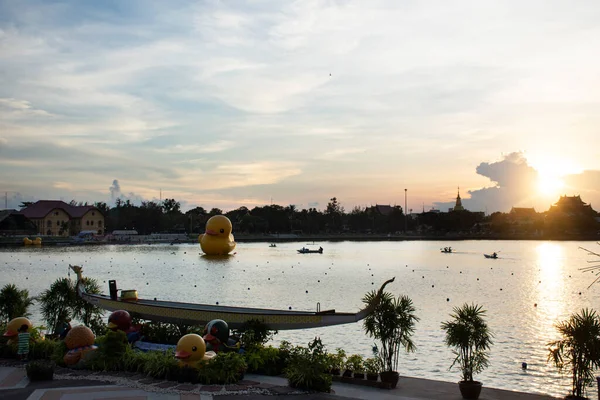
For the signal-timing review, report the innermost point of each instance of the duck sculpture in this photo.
(120, 320)
(217, 239)
(216, 336)
(12, 328)
(80, 342)
(191, 350)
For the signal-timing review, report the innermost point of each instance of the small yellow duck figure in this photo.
(191, 349)
(217, 239)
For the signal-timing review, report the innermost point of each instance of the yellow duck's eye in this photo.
(222, 231)
(194, 348)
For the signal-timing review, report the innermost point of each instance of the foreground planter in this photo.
(390, 377)
(372, 377)
(470, 390)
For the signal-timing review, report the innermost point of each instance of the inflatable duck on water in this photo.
(217, 240)
(191, 349)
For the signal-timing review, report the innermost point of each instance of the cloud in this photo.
(513, 185)
(115, 190)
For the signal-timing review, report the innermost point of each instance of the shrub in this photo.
(133, 360)
(264, 360)
(165, 333)
(254, 333)
(337, 360)
(43, 349)
(14, 302)
(109, 355)
(373, 365)
(308, 367)
(60, 349)
(161, 365)
(226, 368)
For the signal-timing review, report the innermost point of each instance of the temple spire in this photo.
(458, 206)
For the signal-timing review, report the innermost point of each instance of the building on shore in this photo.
(57, 218)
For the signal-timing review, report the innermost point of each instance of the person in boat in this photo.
(450, 249)
(321, 249)
(494, 255)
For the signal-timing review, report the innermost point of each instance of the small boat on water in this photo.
(305, 250)
(272, 245)
(236, 317)
(447, 250)
(493, 255)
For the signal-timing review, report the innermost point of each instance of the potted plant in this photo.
(336, 361)
(392, 321)
(372, 368)
(578, 351)
(356, 363)
(469, 336)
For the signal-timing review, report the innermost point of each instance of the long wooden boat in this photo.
(200, 314)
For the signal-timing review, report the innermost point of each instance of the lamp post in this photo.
(405, 216)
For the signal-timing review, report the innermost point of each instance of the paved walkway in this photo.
(73, 385)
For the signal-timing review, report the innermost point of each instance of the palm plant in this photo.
(468, 333)
(57, 302)
(392, 321)
(579, 349)
(14, 302)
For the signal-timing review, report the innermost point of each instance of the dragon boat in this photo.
(200, 314)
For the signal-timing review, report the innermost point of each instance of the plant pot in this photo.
(470, 390)
(348, 373)
(372, 377)
(359, 375)
(390, 377)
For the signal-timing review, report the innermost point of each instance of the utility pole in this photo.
(5, 200)
(405, 216)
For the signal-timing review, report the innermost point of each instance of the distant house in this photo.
(14, 223)
(57, 218)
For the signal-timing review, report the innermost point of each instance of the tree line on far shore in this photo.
(166, 216)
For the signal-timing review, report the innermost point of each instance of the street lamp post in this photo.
(405, 216)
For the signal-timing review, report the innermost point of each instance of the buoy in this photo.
(289, 308)
(432, 285)
(535, 304)
(447, 299)
(307, 291)
(217, 303)
(524, 365)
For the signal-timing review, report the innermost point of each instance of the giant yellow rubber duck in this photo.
(12, 328)
(191, 349)
(217, 240)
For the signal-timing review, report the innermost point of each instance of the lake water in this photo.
(528, 273)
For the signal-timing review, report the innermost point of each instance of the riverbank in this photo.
(17, 241)
(14, 385)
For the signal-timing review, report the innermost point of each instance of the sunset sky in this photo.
(231, 103)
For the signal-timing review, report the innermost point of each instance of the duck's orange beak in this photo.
(182, 354)
(10, 333)
(211, 232)
(208, 337)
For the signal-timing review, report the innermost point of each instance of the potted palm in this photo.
(392, 321)
(578, 351)
(469, 336)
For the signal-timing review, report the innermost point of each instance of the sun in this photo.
(549, 184)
